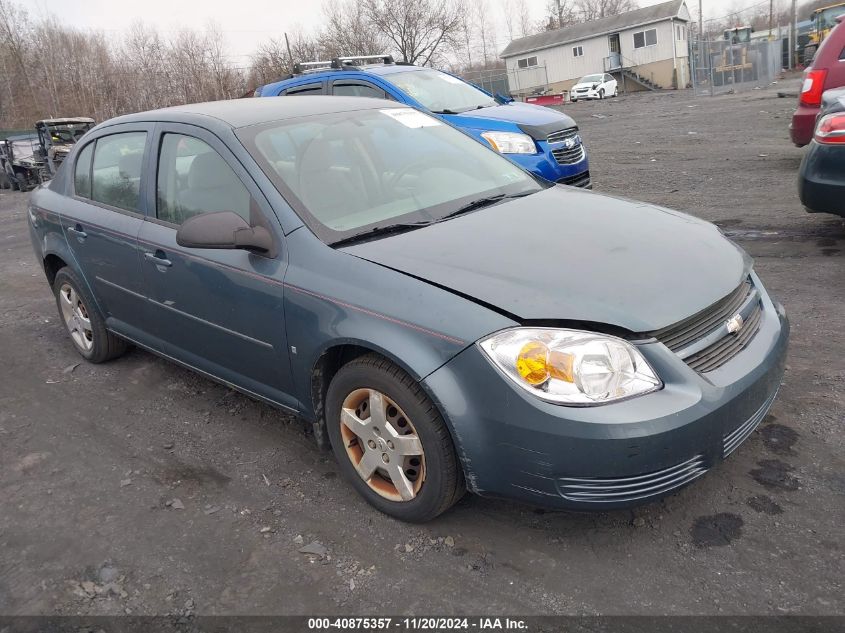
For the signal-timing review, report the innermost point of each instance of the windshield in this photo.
(351, 172)
(68, 132)
(440, 92)
(591, 79)
(827, 18)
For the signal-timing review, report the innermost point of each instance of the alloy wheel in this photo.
(382, 444)
(76, 317)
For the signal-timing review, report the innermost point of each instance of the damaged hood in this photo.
(570, 254)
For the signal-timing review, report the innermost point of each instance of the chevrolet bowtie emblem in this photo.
(734, 323)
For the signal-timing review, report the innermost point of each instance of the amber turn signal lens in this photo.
(532, 363)
(560, 366)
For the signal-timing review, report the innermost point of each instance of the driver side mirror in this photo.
(223, 230)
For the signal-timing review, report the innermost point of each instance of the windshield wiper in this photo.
(483, 202)
(445, 111)
(379, 231)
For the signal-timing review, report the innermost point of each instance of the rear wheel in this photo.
(391, 441)
(86, 327)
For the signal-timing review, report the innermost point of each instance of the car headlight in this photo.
(510, 142)
(571, 367)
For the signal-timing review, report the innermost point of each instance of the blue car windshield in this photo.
(349, 172)
(440, 92)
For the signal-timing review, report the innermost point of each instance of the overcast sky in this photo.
(246, 23)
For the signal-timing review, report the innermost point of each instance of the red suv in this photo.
(827, 71)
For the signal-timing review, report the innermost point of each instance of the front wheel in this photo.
(573, 100)
(601, 93)
(616, 91)
(391, 441)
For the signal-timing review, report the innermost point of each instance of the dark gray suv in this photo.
(445, 319)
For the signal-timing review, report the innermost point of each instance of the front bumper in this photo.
(546, 166)
(821, 179)
(516, 446)
(589, 94)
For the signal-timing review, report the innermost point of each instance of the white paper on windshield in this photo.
(411, 118)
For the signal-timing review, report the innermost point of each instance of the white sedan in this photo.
(596, 86)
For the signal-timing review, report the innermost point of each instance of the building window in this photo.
(645, 38)
(527, 62)
(577, 51)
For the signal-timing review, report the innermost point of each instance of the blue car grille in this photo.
(569, 156)
(578, 180)
(562, 135)
(621, 489)
(703, 340)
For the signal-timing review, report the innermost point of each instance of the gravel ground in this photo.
(137, 486)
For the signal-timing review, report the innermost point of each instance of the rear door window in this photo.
(306, 90)
(116, 172)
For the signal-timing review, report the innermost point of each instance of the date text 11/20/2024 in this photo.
(417, 624)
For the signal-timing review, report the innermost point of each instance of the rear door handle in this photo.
(158, 258)
(77, 230)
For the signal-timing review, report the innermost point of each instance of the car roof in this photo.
(237, 113)
(374, 69)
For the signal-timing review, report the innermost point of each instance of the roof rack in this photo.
(342, 63)
(300, 68)
(360, 60)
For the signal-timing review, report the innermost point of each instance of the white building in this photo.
(644, 48)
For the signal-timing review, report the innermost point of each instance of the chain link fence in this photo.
(720, 66)
(520, 82)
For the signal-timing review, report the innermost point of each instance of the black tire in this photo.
(601, 94)
(443, 485)
(106, 345)
(573, 100)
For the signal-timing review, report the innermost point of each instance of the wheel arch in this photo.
(330, 361)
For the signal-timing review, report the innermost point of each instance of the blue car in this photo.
(543, 141)
(442, 318)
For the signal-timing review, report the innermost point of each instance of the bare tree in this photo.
(348, 31)
(596, 9)
(418, 30)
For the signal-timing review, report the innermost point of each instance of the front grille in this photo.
(703, 340)
(562, 135)
(732, 440)
(578, 180)
(569, 156)
(622, 489)
(720, 352)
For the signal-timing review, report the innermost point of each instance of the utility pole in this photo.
(771, 12)
(793, 15)
(290, 57)
(701, 22)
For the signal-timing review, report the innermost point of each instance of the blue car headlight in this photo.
(571, 367)
(510, 142)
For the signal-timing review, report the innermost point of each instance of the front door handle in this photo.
(158, 258)
(77, 231)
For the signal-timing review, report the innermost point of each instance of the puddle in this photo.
(716, 530)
